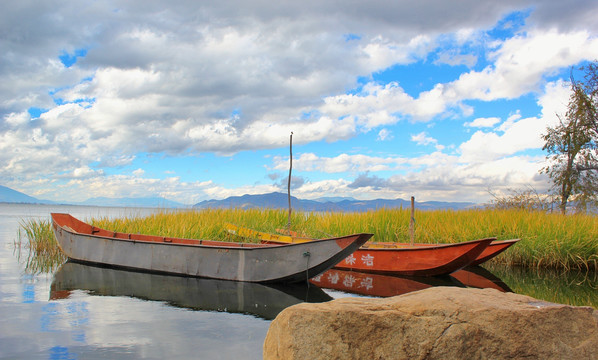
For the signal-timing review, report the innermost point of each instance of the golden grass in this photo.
(44, 255)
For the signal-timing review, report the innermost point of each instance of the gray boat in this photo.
(265, 263)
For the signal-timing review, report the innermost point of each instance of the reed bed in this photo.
(547, 239)
(43, 254)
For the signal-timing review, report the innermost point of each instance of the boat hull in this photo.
(430, 260)
(494, 249)
(391, 258)
(217, 260)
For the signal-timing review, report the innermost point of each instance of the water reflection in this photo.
(37, 262)
(481, 278)
(391, 285)
(571, 287)
(264, 301)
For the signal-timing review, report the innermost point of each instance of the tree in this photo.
(572, 144)
(526, 198)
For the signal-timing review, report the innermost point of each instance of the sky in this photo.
(191, 101)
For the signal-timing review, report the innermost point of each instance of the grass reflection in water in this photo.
(571, 287)
(37, 247)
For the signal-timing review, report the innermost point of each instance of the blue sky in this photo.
(190, 101)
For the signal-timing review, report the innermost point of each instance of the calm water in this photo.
(87, 312)
(93, 321)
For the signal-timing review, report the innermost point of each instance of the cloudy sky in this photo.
(191, 101)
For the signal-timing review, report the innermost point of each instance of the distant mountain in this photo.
(280, 201)
(9, 195)
(153, 202)
(12, 196)
(271, 200)
(334, 199)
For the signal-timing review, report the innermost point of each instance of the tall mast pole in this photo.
(289, 184)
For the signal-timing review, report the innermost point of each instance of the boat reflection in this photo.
(392, 285)
(264, 301)
(478, 277)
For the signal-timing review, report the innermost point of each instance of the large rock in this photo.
(436, 323)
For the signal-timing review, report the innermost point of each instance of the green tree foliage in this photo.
(572, 144)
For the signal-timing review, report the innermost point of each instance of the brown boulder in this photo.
(436, 323)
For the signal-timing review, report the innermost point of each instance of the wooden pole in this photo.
(289, 184)
(412, 221)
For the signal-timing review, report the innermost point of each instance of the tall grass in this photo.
(204, 224)
(547, 239)
(43, 254)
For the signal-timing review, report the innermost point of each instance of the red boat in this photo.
(417, 260)
(495, 248)
(392, 258)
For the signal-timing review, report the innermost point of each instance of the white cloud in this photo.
(385, 135)
(521, 62)
(510, 122)
(554, 101)
(519, 66)
(339, 164)
(483, 122)
(381, 53)
(371, 108)
(443, 178)
(519, 136)
(423, 139)
(516, 134)
(86, 172)
(114, 186)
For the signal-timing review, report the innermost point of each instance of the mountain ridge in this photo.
(8, 195)
(278, 200)
(274, 200)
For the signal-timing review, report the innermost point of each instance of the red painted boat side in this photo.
(429, 260)
(495, 248)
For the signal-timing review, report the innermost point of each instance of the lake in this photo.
(87, 312)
